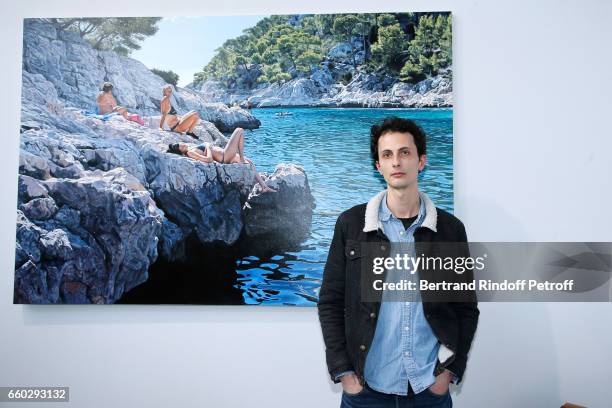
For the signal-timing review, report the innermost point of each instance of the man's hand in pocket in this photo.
(350, 384)
(442, 383)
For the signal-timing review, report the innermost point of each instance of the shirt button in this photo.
(401, 232)
(362, 347)
(406, 328)
(407, 303)
(406, 354)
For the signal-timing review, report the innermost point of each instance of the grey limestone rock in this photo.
(99, 198)
(99, 245)
(285, 214)
(39, 208)
(75, 71)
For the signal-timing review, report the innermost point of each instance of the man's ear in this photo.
(378, 167)
(422, 162)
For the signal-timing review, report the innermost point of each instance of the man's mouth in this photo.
(398, 174)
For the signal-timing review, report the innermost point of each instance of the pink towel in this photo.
(135, 118)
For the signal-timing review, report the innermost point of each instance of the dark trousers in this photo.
(368, 398)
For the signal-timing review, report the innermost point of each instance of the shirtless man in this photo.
(105, 100)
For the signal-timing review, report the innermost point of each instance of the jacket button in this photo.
(372, 315)
(383, 247)
(352, 252)
(362, 347)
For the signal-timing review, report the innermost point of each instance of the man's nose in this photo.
(395, 161)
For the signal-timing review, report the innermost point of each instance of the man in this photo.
(107, 104)
(106, 100)
(390, 353)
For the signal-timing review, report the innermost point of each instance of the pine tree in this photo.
(430, 50)
(119, 34)
(390, 46)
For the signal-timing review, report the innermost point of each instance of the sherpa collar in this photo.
(372, 222)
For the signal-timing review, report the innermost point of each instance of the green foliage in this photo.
(390, 46)
(274, 73)
(445, 31)
(383, 20)
(347, 26)
(263, 26)
(430, 50)
(220, 68)
(169, 76)
(119, 34)
(278, 49)
(325, 22)
(296, 49)
(310, 25)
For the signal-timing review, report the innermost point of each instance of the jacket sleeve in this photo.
(467, 313)
(331, 306)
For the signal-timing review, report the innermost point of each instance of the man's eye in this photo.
(406, 152)
(386, 154)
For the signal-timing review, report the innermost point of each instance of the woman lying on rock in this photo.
(232, 153)
(178, 124)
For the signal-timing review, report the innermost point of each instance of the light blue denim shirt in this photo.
(404, 348)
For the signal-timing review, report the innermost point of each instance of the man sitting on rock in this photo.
(107, 104)
(105, 100)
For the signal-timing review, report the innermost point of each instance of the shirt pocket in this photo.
(353, 250)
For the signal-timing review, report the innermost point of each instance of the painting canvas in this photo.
(205, 160)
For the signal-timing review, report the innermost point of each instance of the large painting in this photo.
(205, 160)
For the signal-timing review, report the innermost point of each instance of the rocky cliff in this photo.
(76, 71)
(338, 82)
(100, 201)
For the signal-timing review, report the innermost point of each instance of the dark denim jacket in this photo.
(348, 323)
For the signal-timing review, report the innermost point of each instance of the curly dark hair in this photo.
(395, 124)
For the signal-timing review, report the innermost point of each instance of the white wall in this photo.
(533, 96)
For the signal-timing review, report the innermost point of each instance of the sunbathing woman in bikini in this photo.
(179, 124)
(232, 153)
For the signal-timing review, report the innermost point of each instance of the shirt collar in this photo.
(384, 213)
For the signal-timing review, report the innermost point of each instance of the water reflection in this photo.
(333, 147)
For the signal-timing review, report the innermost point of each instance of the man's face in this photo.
(398, 161)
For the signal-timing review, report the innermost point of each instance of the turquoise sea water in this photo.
(333, 147)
